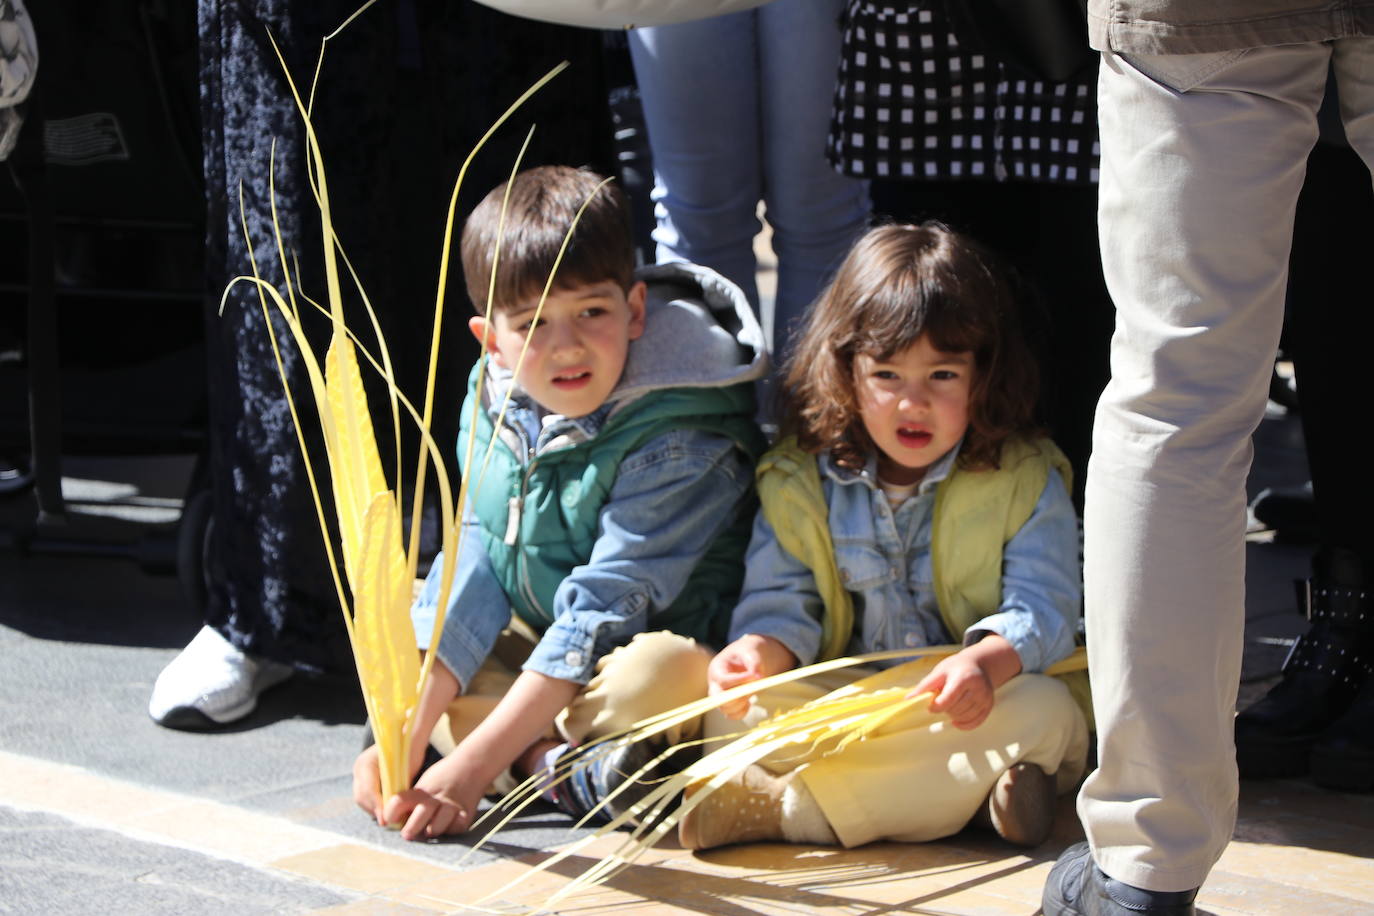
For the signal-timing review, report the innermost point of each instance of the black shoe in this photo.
(589, 783)
(1328, 665)
(1343, 757)
(12, 477)
(1077, 887)
(1291, 512)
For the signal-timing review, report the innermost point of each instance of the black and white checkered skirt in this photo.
(912, 103)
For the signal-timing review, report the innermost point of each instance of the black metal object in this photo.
(102, 267)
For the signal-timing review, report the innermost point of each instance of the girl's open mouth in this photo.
(914, 438)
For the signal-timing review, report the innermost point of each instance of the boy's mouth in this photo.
(914, 437)
(575, 378)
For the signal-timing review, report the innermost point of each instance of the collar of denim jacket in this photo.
(868, 476)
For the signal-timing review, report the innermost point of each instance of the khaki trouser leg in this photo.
(1203, 156)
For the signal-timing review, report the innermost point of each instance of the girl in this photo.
(912, 505)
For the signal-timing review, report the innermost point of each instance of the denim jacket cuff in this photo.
(461, 653)
(1014, 629)
(566, 652)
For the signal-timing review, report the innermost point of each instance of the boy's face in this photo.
(576, 353)
(914, 406)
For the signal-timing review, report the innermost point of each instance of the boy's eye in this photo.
(594, 311)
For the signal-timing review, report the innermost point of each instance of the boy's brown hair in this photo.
(896, 284)
(543, 203)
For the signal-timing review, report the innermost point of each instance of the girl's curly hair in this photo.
(897, 283)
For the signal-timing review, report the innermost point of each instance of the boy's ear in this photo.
(635, 298)
(485, 333)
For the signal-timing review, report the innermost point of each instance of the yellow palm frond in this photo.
(822, 727)
(356, 468)
(384, 641)
(379, 567)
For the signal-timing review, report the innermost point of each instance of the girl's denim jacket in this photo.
(884, 558)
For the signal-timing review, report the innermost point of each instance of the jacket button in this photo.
(912, 640)
(573, 659)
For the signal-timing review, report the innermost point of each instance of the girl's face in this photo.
(914, 406)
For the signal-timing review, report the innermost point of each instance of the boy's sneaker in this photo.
(210, 684)
(1077, 887)
(588, 784)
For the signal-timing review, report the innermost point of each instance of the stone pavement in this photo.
(103, 812)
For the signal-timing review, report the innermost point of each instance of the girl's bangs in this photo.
(898, 321)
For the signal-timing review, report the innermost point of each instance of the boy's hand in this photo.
(749, 658)
(367, 782)
(965, 684)
(444, 800)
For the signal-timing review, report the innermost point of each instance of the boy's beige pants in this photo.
(652, 673)
(917, 778)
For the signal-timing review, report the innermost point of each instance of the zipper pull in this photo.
(513, 506)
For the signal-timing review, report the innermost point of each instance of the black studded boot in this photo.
(1343, 757)
(1324, 672)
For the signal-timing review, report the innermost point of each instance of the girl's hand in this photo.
(965, 684)
(749, 658)
(962, 691)
(444, 800)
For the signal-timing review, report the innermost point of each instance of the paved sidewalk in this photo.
(103, 812)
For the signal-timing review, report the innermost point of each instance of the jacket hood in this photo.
(699, 332)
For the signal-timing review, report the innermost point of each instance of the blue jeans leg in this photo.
(737, 108)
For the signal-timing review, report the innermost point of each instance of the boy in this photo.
(607, 532)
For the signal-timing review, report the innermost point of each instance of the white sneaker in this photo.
(211, 683)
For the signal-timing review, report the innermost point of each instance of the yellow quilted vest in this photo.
(976, 513)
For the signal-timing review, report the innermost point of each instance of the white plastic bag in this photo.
(620, 14)
(18, 67)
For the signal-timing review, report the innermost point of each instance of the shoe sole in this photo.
(191, 719)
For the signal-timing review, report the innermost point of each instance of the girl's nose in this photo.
(915, 396)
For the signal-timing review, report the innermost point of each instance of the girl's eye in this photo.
(886, 375)
(944, 375)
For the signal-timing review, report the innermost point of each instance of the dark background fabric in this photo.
(403, 94)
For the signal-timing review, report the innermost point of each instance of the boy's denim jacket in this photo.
(670, 499)
(885, 559)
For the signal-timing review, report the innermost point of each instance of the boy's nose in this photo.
(565, 339)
